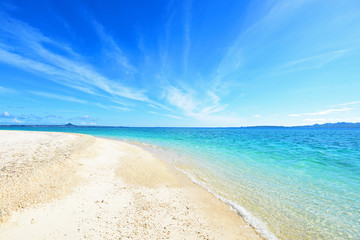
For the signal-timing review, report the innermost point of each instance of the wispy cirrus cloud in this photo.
(15, 120)
(121, 108)
(32, 54)
(180, 99)
(126, 104)
(112, 49)
(235, 56)
(166, 115)
(324, 112)
(59, 97)
(4, 90)
(172, 116)
(187, 29)
(111, 107)
(347, 104)
(158, 105)
(313, 62)
(206, 111)
(163, 50)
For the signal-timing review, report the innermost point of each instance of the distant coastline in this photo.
(69, 125)
(322, 126)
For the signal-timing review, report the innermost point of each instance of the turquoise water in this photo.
(288, 183)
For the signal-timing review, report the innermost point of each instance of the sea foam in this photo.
(258, 225)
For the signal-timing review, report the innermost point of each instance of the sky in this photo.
(181, 63)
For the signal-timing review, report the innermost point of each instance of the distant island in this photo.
(325, 125)
(335, 125)
(68, 125)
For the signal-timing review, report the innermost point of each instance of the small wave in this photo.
(259, 226)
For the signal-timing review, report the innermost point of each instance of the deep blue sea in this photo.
(288, 183)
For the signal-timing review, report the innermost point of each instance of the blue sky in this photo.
(180, 63)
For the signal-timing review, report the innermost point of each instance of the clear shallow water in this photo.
(289, 183)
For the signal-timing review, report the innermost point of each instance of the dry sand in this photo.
(72, 186)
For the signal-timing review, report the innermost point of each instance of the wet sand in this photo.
(72, 186)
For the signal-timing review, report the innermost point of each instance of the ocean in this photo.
(288, 183)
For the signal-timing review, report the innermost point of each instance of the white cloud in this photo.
(330, 111)
(30, 53)
(213, 109)
(5, 114)
(167, 115)
(121, 108)
(102, 106)
(113, 50)
(187, 28)
(325, 112)
(206, 111)
(172, 116)
(17, 121)
(122, 103)
(313, 62)
(153, 106)
(276, 13)
(59, 97)
(88, 123)
(182, 100)
(159, 106)
(4, 90)
(257, 116)
(214, 97)
(111, 108)
(346, 104)
(318, 120)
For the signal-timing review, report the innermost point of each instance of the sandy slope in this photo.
(118, 191)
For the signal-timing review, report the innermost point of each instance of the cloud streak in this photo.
(113, 50)
(250, 39)
(32, 55)
(187, 29)
(346, 104)
(313, 62)
(59, 97)
(325, 112)
(206, 111)
(4, 90)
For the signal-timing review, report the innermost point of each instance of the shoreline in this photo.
(143, 198)
(247, 216)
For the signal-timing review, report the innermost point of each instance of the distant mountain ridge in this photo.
(335, 125)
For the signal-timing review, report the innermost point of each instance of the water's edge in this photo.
(249, 218)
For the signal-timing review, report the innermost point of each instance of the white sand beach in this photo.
(72, 186)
